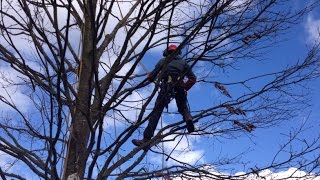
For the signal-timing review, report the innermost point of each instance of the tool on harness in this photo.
(169, 83)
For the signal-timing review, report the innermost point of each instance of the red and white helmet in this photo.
(171, 48)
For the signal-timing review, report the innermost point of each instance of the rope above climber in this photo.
(171, 71)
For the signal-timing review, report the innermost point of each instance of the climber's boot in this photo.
(188, 119)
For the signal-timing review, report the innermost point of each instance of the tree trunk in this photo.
(77, 153)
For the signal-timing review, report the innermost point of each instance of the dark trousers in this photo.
(162, 101)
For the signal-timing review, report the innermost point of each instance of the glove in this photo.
(187, 85)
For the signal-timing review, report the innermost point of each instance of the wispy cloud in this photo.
(312, 27)
(11, 93)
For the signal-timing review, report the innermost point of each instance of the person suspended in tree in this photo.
(171, 71)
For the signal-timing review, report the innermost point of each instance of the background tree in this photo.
(80, 63)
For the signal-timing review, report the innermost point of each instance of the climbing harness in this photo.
(168, 84)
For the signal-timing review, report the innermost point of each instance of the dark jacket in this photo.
(176, 66)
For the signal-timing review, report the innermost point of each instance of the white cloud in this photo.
(180, 149)
(189, 157)
(313, 28)
(4, 159)
(11, 93)
(289, 174)
(130, 109)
